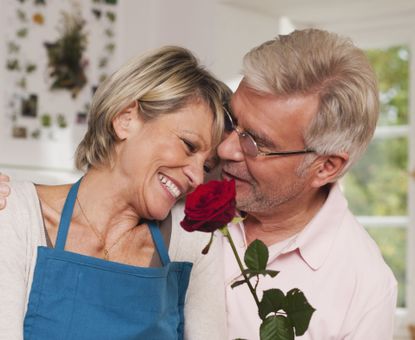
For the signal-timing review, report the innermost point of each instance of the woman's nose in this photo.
(230, 148)
(195, 173)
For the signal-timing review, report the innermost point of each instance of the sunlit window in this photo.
(377, 186)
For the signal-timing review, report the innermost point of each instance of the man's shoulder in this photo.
(22, 196)
(361, 253)
(21, 219)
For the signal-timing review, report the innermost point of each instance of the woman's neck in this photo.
(108, 207)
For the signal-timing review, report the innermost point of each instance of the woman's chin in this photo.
(161, 214)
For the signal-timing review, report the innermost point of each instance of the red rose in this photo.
(210, 206)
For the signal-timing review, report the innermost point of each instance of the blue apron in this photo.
(74, 296)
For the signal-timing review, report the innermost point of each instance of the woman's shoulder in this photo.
(53, 196)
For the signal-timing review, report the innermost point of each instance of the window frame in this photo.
(404, 316)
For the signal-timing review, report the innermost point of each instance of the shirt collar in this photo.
(316, 239)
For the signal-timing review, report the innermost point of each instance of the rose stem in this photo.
(226, 233)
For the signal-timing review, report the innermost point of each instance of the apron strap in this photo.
(66, 216)
(159, 242)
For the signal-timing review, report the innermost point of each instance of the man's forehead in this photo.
(247, 96)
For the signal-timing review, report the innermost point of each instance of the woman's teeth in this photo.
(171, 187)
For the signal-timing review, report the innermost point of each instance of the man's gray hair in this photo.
(313, 61)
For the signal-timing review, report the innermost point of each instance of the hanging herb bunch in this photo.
(66, 65)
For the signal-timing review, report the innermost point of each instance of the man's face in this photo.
(264, 183)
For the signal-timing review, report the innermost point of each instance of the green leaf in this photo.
(272, 273)
(276, 328)
(264, 272)
(298, 310)
(256, 256)
(237, 283)
(272, 301)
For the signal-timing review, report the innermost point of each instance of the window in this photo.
(377, 187)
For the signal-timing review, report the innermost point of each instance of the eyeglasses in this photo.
(248, 143)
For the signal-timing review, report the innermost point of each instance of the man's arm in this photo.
(14, 238)
(4, 190)
(377, 323)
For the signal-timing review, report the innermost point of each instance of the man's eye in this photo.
(190, 146)
(207, 168)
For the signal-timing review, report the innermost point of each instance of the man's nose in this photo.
(230, 148)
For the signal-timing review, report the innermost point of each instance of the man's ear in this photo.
(125, 120)
(327, 169)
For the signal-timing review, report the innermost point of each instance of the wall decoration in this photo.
(29, 106)
(55, 52)
(38, 18)
(66, 63)
(61, 120)
(81, 118)
(19, 132)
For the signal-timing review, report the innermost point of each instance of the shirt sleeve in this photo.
(13, 278)
(205, 316)
(204, 311)
(378, 321)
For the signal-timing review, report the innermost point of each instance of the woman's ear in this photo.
(327, 169)
(125, 120)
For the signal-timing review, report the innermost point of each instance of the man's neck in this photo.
(285, 220)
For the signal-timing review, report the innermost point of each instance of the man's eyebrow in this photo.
(261, 139)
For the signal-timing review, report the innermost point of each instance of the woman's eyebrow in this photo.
(198, 137)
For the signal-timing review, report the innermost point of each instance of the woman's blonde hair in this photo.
(313, 61)
(162, 81)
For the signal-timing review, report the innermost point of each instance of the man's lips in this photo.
(228, 175)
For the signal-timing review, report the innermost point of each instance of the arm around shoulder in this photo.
(205, 314)
(14, 249)
(205, 301)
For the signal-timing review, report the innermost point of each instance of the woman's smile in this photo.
(171, 187)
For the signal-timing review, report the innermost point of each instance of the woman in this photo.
(102, 270)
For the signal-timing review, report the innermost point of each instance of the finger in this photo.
(4, 178)
(2, 203)
(4, 190)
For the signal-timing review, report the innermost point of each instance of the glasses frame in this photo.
(243, 135)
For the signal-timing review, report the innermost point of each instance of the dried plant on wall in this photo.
(79, 53)
(66, 63)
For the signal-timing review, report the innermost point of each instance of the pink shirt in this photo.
(337, 266)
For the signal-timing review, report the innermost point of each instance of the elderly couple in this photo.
(105, 258)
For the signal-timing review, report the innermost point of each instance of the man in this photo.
(304, 112)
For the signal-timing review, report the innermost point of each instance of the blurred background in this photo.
(55, 52)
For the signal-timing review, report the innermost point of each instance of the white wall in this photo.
(218, 34)
(45, 159)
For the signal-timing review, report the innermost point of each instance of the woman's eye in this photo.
(190, 146)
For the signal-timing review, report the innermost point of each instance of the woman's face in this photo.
(163, 159)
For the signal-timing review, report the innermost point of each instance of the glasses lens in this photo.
(248, 145)
(229, 126)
